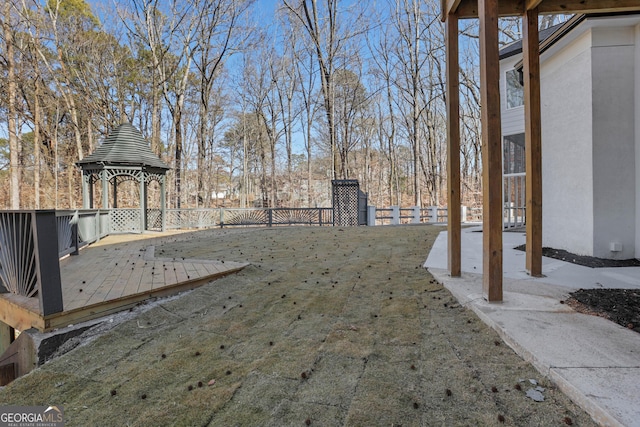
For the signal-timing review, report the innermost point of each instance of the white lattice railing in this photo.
(125, 221)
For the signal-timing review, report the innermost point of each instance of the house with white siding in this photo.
(590, 106)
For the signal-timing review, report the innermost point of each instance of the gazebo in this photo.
(124, 156)
(488, 12)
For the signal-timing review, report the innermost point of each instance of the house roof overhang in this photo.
(558, 34)
(469, 8)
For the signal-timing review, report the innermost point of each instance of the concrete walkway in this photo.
(593, 360)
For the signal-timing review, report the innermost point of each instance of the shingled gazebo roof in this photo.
(125, 146)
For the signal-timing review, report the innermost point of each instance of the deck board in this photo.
(113, 275)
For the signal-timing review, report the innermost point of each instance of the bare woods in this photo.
(250, 102)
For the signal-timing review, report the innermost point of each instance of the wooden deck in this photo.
(113, 275)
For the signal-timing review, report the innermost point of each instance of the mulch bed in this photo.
(618, 305)
(587, 261)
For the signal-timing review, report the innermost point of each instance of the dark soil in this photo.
(587, 261)
(619, 305)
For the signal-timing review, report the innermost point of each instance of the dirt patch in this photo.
(326, 327)
(618, 305)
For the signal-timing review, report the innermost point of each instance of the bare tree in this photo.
(287, 85)
(170, 41)
(328, 34)
(384, 74)
(8, 23)
(68, 23)
(408, 18)
(304, 65)
(217, 39)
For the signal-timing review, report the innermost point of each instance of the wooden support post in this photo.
(453, 148)
(533, 141)
(45, 236)
(491, 151)
(7, 336)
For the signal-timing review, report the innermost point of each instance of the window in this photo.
(513, 153)
(515, 91)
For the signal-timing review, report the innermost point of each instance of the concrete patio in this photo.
(593, 360)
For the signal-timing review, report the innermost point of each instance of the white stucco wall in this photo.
(567, 179)
(614, 171)
(590, 93)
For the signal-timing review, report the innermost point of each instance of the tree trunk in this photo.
(202, 140)
(36, 146)
(71, 104)
(177, 117)
(14, 160)
(155, 114)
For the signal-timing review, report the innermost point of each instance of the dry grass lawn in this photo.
(326, 327)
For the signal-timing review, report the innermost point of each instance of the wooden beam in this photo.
(7, 373)
(533, 141)
(453, 147)
(491, 151)
(588, 6)
(7, 335)
(531, 4)
(469, 8)
(101, 309)
(449, 8)
(20, 312)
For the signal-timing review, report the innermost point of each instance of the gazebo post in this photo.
(115, 192)
(163, 202)
(143, 199)
(453, 147)
(87, 196)
(105, 189)
(491, 151)
(91, 191)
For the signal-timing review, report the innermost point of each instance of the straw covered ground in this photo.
(326, 327)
